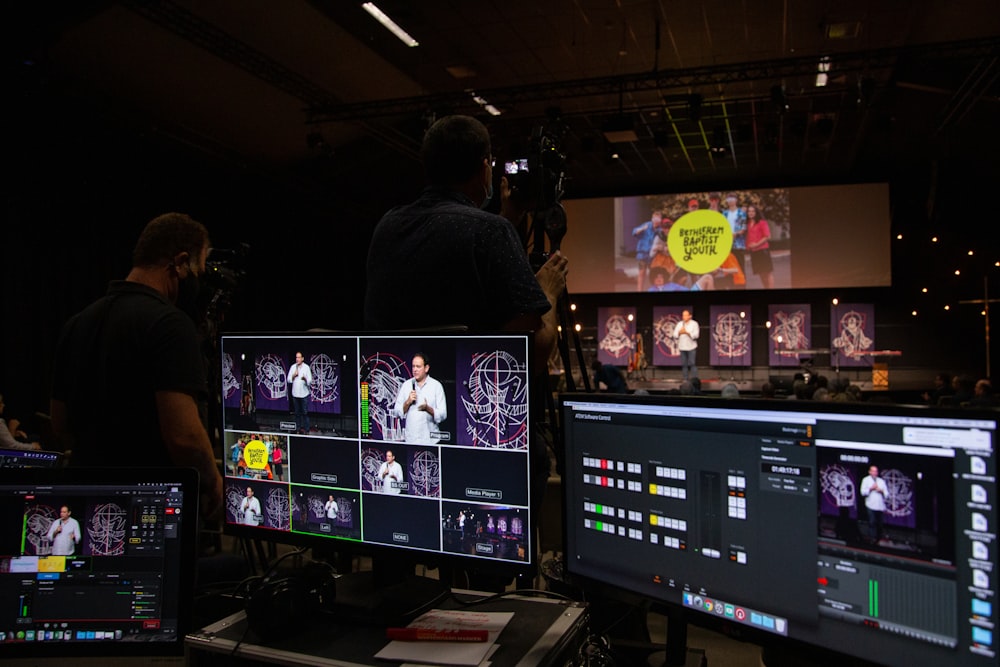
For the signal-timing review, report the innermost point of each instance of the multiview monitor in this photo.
(834, 529)
(403, 443)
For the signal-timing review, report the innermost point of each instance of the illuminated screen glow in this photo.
(820, 237)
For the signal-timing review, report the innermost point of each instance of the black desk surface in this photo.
(540, 630)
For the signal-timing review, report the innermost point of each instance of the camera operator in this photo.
(444, 261)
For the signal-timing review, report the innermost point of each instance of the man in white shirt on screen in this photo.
(686, 332)
(421, 402)
(250, 509)
(64, 533)
(873, 490)
(390, 474)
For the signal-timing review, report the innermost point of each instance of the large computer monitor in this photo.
(758, 518)
(449, 484)
(96, 563)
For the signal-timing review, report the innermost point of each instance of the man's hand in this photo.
(512, 208)
(552, 276)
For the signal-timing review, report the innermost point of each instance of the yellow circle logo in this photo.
(700, 241)
(255, 454)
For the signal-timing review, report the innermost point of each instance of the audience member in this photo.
(964, 388)
(13, 437)
(942, 387)
(767, 390)
(610, 376)
(983, 396)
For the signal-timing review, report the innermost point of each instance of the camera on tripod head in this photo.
(536, 183)
(224, 271)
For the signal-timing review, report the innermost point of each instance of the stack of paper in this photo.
(450, 652)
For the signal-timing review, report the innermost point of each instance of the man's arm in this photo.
(552, 279)
(189, 445)
(439, 411)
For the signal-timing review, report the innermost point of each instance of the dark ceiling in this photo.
(318, 91)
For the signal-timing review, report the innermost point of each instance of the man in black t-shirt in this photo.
(444, 261)
(129, 376)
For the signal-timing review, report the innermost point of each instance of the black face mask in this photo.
(188, 293)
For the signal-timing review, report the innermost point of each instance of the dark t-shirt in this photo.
(441, 261)
(111, 359)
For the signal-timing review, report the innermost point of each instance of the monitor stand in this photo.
(387, 595)
(677, 653)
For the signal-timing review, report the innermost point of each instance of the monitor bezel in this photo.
(781, 647)
(188, 479)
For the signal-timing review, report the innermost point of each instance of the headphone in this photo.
(279, 606)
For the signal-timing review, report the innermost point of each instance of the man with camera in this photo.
(443, 261)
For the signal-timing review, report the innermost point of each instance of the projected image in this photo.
(891, 502)
(73, 529)
(401, 470)
(407, 391)
(333, 512)
(258, 504)
(492, 405)
(278, 385)
(494, 531)
(704, 241)
(256, 455)
(829, 236)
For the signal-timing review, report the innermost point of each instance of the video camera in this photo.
(224, 271)
(536, 182)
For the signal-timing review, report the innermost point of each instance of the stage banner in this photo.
(232, 378)
(730, 336)
(790, 331)
(852, 334)
(665, 319)
(614, 329)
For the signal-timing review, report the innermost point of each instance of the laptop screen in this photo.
(96, 562)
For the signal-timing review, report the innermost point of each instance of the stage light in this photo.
(934, 239)
(958, 272)
(970, 253)
(947, 307)
(578, 328)
(630, 317)
(389, 24)
(914, 313)
(924, 290)
(572, 306)
(835, 301)
(768, 324)
(899, 237)
(719, 143)
(484, 103)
